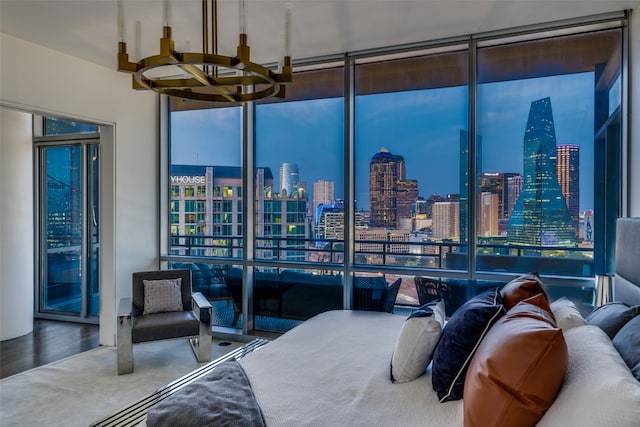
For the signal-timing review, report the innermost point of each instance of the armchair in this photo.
(163, 312)
(373, 294)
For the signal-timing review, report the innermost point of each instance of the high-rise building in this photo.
(206, 206)
(497, 183)
(464, 181)
(289, 179)
(540, 217)
(568, 171)
(406, 196)
(446, 220)
(488, 212)
(514, 185)
(323, 193)
(388, 187)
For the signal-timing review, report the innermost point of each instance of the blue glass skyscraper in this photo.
(540, 217)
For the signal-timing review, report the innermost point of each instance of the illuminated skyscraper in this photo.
(488, 214)
(385, 172)
(446, 217)
(540, 217)
(289, 179)
(568, 170)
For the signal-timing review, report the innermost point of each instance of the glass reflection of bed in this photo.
(334, 369)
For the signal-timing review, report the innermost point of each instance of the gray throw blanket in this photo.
(222, 398)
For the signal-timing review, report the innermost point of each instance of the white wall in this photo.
(40, 80)
(16, 224)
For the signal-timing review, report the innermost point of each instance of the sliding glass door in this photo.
(68, 227)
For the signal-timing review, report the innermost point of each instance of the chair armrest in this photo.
(200, 301)
(124, 307)
(201, 307)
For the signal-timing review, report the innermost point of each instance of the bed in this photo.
(335, 370)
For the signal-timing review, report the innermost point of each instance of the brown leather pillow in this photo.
(522, 288)
(516, 373)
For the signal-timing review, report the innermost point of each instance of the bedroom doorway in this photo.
(68, 238)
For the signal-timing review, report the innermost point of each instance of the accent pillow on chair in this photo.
(521, 288)
(418, 337)
(460, 339)
(518, 369)
(162, 295)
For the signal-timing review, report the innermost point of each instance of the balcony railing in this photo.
(570, 261)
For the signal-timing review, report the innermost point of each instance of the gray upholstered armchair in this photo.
(162, 307)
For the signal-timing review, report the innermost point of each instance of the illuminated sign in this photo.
(187, 179)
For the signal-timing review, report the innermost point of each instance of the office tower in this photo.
(488, 212)
(568, 171)
(446, 217)
(406, 196)
(323, 193)
(540, 217)
(497, 183)
(385, 170)
(419, 207)
(514, 185)
(289, 179)
(431, 200)
(330, 222)
(464, 181)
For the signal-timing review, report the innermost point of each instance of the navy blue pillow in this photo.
(627, 342)
(459, 341)
(612, 317)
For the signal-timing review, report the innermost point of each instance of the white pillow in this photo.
(418, 337)
(598, 389)
(162, 295)
(566, 314)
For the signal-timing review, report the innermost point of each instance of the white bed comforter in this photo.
(333, 370)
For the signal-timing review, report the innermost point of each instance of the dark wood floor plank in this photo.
(50, 340)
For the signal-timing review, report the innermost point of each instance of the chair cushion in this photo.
(162, 326)
(418, 337)
(520, 289)
(162, 295)
(612, 317)
(516, 373)
(459, 340)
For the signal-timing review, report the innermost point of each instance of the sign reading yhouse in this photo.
(187, 179)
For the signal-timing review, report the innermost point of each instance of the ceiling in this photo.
(88, 29)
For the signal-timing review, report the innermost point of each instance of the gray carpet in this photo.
(84, 388)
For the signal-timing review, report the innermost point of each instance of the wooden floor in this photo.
(50, 340)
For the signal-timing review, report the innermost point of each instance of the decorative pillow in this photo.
(518, 369)
(418, 337)
(459, 340)
(612, 317)
(162, 295)
(627, 342)
(598, 389)
(520, 289)
(566, 314)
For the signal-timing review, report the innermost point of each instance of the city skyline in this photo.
(398, 122)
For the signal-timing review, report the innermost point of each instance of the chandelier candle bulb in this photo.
(121, 28)
(243, 16)
(166, 13)
(138, 41)
(287, 32)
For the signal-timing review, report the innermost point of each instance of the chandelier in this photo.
(206, 75)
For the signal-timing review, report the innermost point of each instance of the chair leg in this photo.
(124, 346)
(201, 345)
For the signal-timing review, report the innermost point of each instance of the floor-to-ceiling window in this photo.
(541, 202)
(68, 159)
(451, 166)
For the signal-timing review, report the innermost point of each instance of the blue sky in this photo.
(423, 126)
